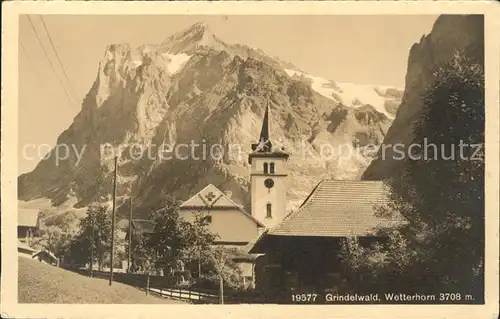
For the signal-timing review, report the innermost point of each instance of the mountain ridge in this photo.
(449, 34)
(193, 90)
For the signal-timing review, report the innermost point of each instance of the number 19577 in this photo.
(304, 297)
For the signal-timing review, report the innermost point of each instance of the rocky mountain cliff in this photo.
(449, 34)
(195, 89)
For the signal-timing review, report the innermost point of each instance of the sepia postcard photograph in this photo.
(235, 159)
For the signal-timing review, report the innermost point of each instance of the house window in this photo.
(265, 168)
(269, 210)
(271, 168)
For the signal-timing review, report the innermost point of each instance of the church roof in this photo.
(264, 131)
(264, 147)
(337, 209)
(214, 199)
(264, 144)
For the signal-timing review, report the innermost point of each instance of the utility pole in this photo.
(129, 234)
(113, 225)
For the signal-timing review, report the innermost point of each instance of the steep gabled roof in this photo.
(45, 252)
(266, 144)
(337, 209)
(27, 217)
(213, 198)
(210, 196)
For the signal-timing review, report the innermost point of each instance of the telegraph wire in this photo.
(50, 62)
(32, 64)
(58, 58)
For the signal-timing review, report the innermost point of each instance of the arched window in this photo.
(271, 168)
(265, 168)
(269, 210)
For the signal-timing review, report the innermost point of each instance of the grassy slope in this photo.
(41, 283)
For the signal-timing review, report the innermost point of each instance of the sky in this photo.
(357, 49)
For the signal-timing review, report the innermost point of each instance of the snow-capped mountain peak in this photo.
(176, 61)
(382, 98)
(186, 41)
(195, 87)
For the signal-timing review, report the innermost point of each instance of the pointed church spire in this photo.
(264, 144)
(264, 147)
(264, 132)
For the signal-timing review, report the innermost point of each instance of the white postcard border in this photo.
(10, 25)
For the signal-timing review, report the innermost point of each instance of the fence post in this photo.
(147, 286)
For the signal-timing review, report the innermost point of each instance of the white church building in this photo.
(234, 226)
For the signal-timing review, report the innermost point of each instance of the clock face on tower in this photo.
(269, 183)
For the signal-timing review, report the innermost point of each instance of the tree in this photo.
(63, 221)
(440, 191)
(53, 239)
(142, 252)
(94, 236)
(197, 240)
(378, 266)
(56, 232)
(226, 270)
(165, 241)
(174, 240)
(77, 253)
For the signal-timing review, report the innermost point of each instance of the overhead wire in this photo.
(32, 64)
(68, 95)
(57, 56)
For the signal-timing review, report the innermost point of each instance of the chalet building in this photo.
(235, 229)
(46, 257)
(301, 253)
(28, 224)
(228, 220)
(23, 250)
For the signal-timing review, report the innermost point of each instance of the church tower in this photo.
(268, 178)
